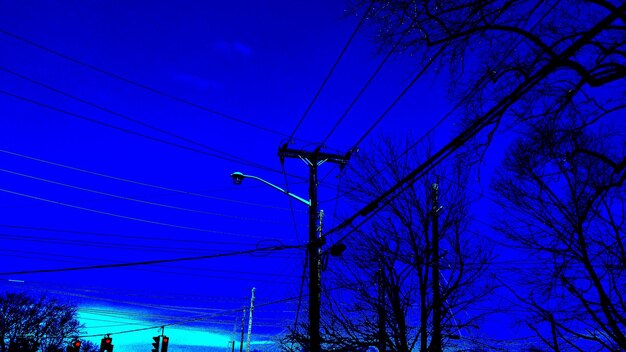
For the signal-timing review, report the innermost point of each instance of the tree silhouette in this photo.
(563, 196)
(43, 321)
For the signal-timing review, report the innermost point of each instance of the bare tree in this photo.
(522, 59)
(42, 321)
(562, 191)
(389, 267)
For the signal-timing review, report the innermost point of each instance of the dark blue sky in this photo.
(121, 122)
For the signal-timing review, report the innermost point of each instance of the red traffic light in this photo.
(105, 344)
(76, 344)
(164, 343)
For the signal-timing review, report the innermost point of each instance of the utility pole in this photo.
(435, 344)
(234, 340)
(313, 160)
(250, 321)
(382, 314)
(243, 329)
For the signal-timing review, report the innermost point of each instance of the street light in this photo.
(313, 250)
(238, 179)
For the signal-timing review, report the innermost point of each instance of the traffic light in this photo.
(106, 344)
(74, 347)
(155, 344)
(164, 343)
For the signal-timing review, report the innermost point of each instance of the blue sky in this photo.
(122, 121)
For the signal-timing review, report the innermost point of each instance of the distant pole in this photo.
(382, 314)
(250, 321)
(234, 341)
(243, 329)
(435, 345)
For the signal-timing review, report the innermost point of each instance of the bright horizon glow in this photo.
(118, 319)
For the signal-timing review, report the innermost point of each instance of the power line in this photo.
(114, 235)
(414, 144)
(358, 96)
(124, 216)
(135, 133)
(140, 85)
(99, 244)
(175, 271)
(128, 118)
(131, 199)
(106, 124)
(169, 189)
(172, 271)
(398, 98)
(332, 69)
(151, 262)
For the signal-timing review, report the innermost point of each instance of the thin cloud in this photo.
(233, 48)
(197, 82)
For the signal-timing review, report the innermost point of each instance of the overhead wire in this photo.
(126, 217)
(111, 245)
(363, 89)
(126, 292)
(106, 124)
(145, 184)
(168, 206)
(330, 72)
(123, 116)
(140, 85)
(109, 235)
(99, 244)
(137, 134)
(161, 269)
(413, 145)
(398, 98)
(151, 262)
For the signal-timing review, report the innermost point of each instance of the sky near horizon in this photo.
(121, 123)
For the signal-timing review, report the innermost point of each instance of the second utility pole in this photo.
(313, 160)
(435, 344)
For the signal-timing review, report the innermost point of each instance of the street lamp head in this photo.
(237, 177)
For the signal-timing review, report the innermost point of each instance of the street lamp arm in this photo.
(307, 202)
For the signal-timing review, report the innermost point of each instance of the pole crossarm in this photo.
(314, 156)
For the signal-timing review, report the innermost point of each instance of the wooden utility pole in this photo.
(313, 160)
(243, 329)
(382, 313)
(435, 344)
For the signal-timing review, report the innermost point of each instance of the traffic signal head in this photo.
(155, 344)
(106, 344)
(74, 347)
(164, 343)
